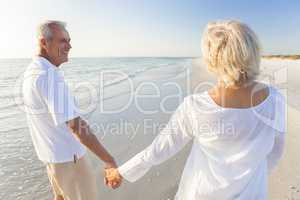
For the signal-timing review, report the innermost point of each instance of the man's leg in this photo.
(56, 191)
(86, 180)
(74, 181)
(83, 182)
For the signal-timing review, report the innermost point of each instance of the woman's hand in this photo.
(113, 178)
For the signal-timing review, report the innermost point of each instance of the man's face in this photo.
(58, 46)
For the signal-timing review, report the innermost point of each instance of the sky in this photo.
(132, 28)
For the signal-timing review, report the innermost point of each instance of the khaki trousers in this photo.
(73, 180)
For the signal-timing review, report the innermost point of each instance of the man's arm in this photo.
(82, 131)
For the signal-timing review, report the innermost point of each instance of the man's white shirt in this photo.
(49, 105)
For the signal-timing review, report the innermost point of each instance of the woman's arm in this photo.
(170, 140)
(280, 131)
(277, 151)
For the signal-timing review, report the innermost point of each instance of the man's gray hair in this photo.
(44, 30)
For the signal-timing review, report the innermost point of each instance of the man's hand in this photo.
(113, 178)
(110, 164)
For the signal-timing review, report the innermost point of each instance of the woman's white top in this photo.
(233, 148)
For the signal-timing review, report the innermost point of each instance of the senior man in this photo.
(58, 132)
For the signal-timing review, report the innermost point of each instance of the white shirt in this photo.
(48, 106)
(233, 149)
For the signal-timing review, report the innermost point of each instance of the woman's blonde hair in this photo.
(232, 51)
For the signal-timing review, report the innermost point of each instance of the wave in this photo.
(127, 77)
(14, 129)
(8, 96)
(16, 98)
(8, 78)
(124, 91)
(11, 115)
(9, 106)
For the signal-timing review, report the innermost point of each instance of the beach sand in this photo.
(284, 182)
(162, 181)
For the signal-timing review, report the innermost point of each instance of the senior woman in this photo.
(232, 162)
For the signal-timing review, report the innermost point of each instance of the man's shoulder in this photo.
(34, 68)
(33, 73)
(40, 72)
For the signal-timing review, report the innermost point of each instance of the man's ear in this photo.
(43, 44)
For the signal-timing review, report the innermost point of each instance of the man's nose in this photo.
(69, 46)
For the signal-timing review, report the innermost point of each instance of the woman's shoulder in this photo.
(199, 102)
(202, 97)
(276, 92)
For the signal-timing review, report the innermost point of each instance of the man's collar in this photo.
(45, 62)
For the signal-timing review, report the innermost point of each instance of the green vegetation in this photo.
(291, 57)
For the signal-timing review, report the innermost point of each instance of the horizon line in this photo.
(72, 57)
(109, 57)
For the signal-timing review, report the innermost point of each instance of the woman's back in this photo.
(231, 143)
(240, 97)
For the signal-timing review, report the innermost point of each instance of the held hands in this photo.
(112, 178)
